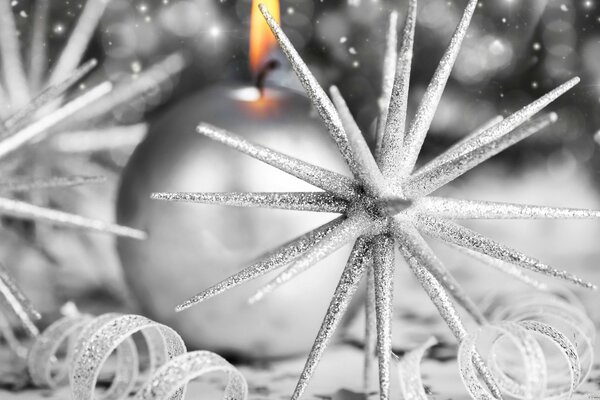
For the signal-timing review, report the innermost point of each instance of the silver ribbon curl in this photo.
(535, 321)
(409, 368)
(90, 342)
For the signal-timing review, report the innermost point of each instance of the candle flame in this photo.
(262, 40)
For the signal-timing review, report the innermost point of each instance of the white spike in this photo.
(39, 128)
(78, 41)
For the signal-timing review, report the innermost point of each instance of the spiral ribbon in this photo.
(86, 344)
(546, 340)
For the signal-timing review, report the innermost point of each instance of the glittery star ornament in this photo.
(387, 203)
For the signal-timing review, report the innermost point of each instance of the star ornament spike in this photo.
(386, 204)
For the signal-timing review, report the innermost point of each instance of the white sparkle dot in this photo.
(215, 31)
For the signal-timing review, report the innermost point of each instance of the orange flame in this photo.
(262, 40)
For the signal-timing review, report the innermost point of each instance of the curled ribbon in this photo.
(541, 347)
(519, 343)
(87, 344)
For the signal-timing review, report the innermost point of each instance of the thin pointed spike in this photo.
(283, 255)
(12, 297)
(134, 91)
(347, 286)
(349, 230)
(38, 54)
(383, 264)
(458, 148)
(476, 133)
(415, 258)
(368, 172)
(324, 179)
(297, 201)
(448, 208)
(370, 331)
(40, 127)
(508, 131)
(12, 342)
(10, 51)
(20, 209)
(424, 182)
(426, 110)
(502, 266)
(435, 267)
(48, 95)
(451, 232)
(514, 120)
(395, 128)
(315, 92)
(78, 41)
(55, 182)
(387, 81)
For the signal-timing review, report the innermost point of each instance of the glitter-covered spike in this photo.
(383, 265)
(473, 209)
(434, 266)
(370, 332)
(426, 110)
(414, 256)
(350, 229)
(10, 51)
(299, 201)
(502, 266)
(38, 56)
(78, 40)
(49, 95)
(395, 128)
(317, 95)
(13, 299)
(464, 237)
(406, 211)
(41, 126)
(425, 182)
(505, 126)
(457, 149)
(347, 286)
(369, 174)
(20, 209)
(387, 80)
(24, 185)
(267, 263)
(487, 125)
(317, 176)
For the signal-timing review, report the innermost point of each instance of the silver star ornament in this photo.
(387, 203)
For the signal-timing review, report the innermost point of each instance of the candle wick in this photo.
(263, 73)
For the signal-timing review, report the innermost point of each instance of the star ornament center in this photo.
(387, 203)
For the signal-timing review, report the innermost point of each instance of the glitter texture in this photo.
(384, 205)
(89, 343)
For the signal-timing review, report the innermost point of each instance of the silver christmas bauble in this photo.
(192, 247)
